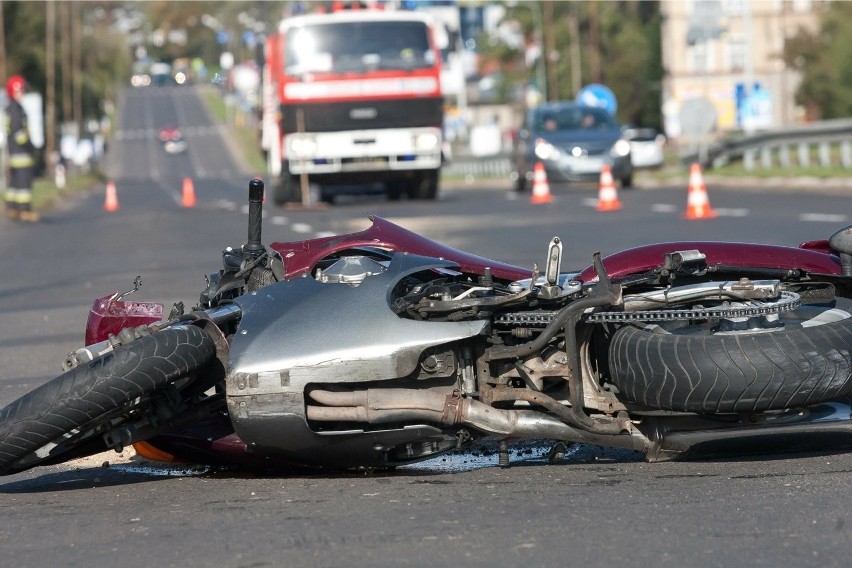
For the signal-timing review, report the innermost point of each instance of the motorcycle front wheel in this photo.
(704, 368)
(67, 417)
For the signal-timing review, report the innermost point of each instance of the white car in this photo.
(647, 147)
(175, 146)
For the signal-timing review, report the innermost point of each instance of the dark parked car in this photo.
(573, 142)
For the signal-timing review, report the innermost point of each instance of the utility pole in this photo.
(574, 49)
(65, 50)
(50, 95)
(540, 71)
(549, 52)
(593, 51)
(76, 66)
(2, 44)
(3, 153)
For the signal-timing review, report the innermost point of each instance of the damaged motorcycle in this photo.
(382, 348)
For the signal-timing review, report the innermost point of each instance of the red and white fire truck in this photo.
(353, 98)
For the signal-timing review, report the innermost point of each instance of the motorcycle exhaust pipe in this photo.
(824, 427)
(382, 406)
(827, 426)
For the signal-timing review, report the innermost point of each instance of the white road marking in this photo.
(823, 217)
(742, 212)
(225, 204)
(301, 228)
(663, 208)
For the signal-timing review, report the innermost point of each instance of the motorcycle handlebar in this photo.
(254, 246)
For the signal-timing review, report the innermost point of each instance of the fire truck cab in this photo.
(354, 98)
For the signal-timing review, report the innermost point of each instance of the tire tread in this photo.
(87, 392)
(731, 373)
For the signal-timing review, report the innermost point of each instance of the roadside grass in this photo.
(674, 168)
(246, 132)
(46, 194)
(739, 170)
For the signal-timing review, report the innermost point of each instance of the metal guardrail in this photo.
(467, 167)
(824, 143)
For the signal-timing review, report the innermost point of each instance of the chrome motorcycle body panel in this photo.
(303, 331)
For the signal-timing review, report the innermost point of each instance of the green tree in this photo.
(203, 19)
(824, 58)
(631, 59)
(24, 27)
(619, 46)
(103, 62)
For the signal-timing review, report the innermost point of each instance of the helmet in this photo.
(15, 84)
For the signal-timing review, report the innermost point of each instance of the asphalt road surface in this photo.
(595, 507)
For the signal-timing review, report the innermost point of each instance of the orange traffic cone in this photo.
(188, 199)
(111, 200)
(607, 196)
(698, 204)
(540, 189)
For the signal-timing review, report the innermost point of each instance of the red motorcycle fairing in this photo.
(819, 246)
(742, 255)
(301, 256)
(812, 256)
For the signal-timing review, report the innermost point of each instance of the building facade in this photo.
(730, 54)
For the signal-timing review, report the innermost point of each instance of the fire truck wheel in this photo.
(426, 186)
(287, 190)
(395, 189)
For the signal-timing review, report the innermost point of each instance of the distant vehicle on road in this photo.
(140, 80)
(573, 142)
(169, 132)
(175, 146)
(172, 139)
(647, 147)
(161, 73)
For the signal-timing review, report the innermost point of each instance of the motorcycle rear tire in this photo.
(749, 371)
(34, 428)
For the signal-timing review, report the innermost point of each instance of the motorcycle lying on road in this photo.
(382, 348)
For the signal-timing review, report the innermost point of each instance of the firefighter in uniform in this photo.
(21, 162)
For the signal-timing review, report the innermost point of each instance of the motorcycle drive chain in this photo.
(787, 302)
